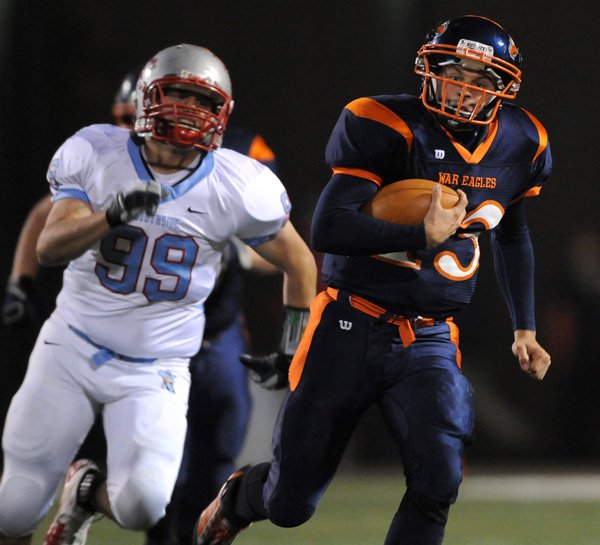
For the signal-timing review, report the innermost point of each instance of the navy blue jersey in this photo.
(380, 140)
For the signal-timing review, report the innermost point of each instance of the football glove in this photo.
(270, 372)
(20, 305)
(128, 206)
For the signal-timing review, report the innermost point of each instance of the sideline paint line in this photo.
(528, 487)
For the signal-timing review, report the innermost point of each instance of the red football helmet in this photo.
(183, 124)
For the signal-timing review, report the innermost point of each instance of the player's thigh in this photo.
(47, 421)
(317, 419)
(430, 415)
(145, 430)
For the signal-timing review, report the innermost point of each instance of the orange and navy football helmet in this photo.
(474, 43)
(183, 124)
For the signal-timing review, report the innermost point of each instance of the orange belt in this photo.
(406, 326)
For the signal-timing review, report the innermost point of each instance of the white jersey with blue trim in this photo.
(140, 290)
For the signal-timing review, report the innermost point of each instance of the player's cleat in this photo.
(212, 527)
(72, 522)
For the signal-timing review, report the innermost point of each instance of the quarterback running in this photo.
(382, 333)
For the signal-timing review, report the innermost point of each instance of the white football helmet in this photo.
(183, 124)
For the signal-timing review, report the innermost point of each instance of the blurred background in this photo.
(294, 66)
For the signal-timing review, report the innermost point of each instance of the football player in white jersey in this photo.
(142, 221)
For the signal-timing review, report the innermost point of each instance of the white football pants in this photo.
(143, 408)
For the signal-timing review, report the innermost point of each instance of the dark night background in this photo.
(294, 65)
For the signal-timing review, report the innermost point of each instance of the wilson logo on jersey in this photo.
(344, 324)
(439, 153)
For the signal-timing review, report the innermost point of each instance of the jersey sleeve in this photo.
(265, 208)
(541, 164)
(69, 168)
(368, 141)
(514, 266)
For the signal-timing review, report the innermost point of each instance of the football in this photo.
(406, 201)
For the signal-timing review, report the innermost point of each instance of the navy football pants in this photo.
(352, 361)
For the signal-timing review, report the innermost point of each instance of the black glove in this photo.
(128, 206)
(270, 372)
(20, 305)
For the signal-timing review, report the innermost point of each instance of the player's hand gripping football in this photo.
(441, 223)
(533, 359)
(128, 206)
(270, 372)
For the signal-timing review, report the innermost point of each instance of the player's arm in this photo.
(259, 264)
(514, 266)
(289, 253)
(339, 227)
(73, 227)
(25, 262)
(20, 299)
(250, 260)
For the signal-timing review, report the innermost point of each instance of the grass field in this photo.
(492, 510)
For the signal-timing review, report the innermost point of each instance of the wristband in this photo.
(294, 324)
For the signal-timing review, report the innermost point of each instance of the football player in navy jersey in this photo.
(382, 332)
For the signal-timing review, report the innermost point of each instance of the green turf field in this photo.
(500, 511)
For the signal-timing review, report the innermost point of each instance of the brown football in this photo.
(406, 201)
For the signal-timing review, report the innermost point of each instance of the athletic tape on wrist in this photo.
(294, 324)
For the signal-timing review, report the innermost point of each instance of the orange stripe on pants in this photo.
(316, 311)
(454, 337)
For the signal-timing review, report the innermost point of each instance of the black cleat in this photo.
(212, 527)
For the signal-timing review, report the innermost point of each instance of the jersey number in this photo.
(172, 257)
(488, 213)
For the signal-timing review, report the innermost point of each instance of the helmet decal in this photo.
(513, 50)
(441, 29)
